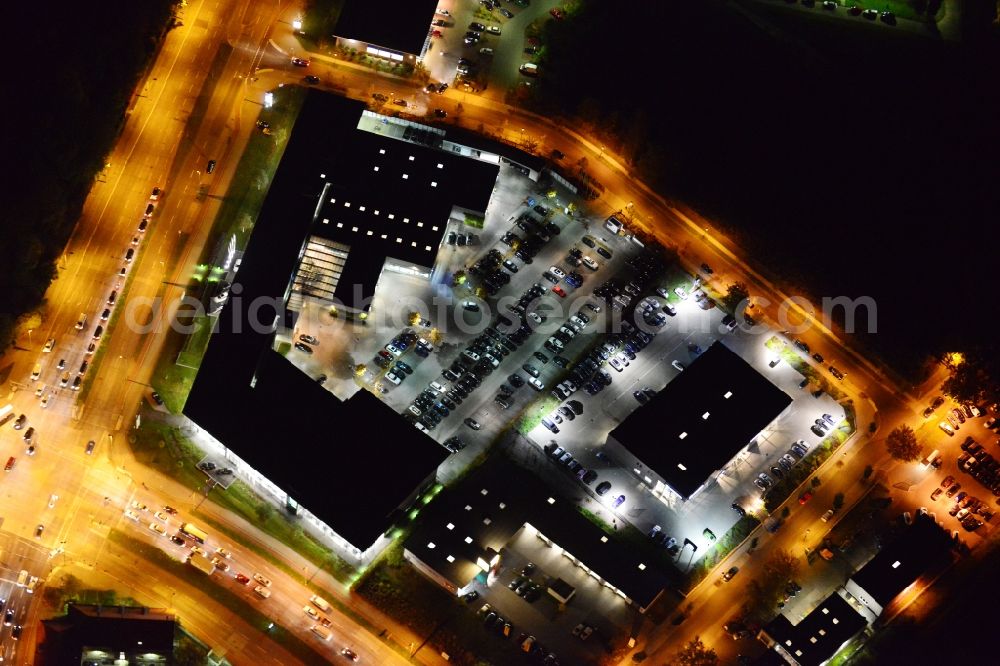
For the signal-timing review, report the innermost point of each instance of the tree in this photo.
(413, 318)
(264, 511)
(736, 294)
(902, 443)
(838, 501)
(975, 376)
(869, 470)
(696, 654)
(764, 593)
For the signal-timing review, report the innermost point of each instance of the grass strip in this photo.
(535, 412)
(277, 562)
(162, 447)
(720, 550)
(233, 602)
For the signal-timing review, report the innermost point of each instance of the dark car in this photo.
(603, 487)
(472, 423)
(305, 349)
(311, 79)
(180, 542)
(90, 447)
(210, 168)
(300, 62)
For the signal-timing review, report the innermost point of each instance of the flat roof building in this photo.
(691, 429)
(384, 202)
(820, 634)
(93, 634)
(285, 435)
(921, 547)
(461, 534)
(395, 30)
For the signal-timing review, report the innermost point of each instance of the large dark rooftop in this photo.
(492, 504)
(270, 414)
(385, 197)
(130, 630)
(401, 25)
(903, 560)
(701, 419)
(820, 634)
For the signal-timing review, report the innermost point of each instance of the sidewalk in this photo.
(185, 499)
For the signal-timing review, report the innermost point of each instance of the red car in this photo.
(559, 290)
(242, 579)
(300, 62)
(556, 13)
(805, 497)
(436, 33)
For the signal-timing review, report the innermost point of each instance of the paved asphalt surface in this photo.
(182, 117)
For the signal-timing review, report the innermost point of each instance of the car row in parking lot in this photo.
(981, 465)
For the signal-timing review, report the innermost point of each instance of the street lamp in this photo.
(268, 100)
(297, 24)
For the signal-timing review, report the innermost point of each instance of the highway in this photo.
(199, 102)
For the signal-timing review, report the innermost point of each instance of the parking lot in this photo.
(584, 436)
(541, 616)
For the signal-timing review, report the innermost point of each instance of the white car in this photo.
(198, 550)
(681, 294)
(138, 506)
(223, 552)
(158, 528)
(132, 515)
(827, 516)
(536, 384)
(493, 30)
(579, 322)
(52, 500)
(590, 263)
(558, 272)
(262, 591)
(311, 612)
(486, 51)
(677, 366)
(616, 364)
(45, 400)
(392, 378)
(159, 515)
(260, 579)
(535, 317)
(49, 345)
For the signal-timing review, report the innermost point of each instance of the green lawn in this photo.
(178, 363)
(535, 412)
(908, 9)
(718, 552)
(164, 448)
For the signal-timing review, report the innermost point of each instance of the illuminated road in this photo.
(196, 105)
